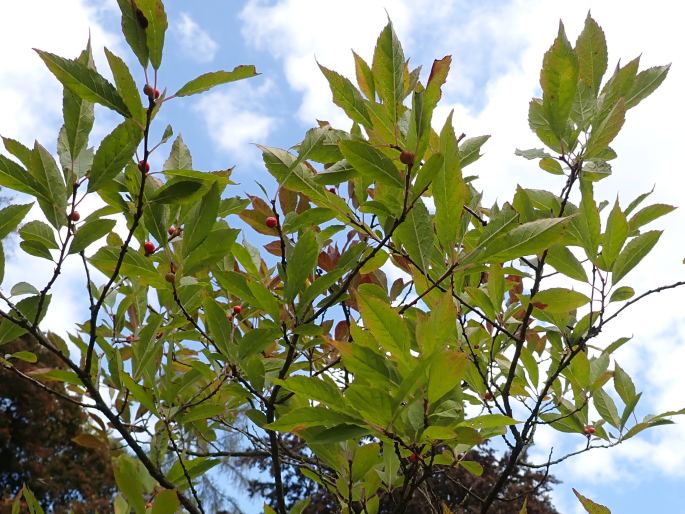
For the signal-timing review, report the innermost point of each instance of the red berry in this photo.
(129, 338)
(488, 396)
(147, 90)
(331, 190)
(237, 309)
(156, 93)
(271, 222)
(589, 430)
(171, 230)
(413, 457)
(144, 166)
(149, 247)
(74, 216)
(406, 157)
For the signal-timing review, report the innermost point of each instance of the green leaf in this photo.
(22, 288)
(166, 502)
(591, 49)
(115, 151)
(301, 263)
(416, 234)
(324, 391)
(551, 165)
(179, 156)
(40, 232)
(469, 150)
(559, 78)
(307, 417)
(153, 11)
(488, 421)
(607, 130)
(526, 239)
(207, 81)
(217, 323)
(384, 323)
(560, 300)
(633, 253)
(133, 24)
(36, 249)
(13, 176)
(533, 153)
(649, 214)
(449, 189)
(126, 474)
(590, 506)
(79, 115)
(126, 86)
(615, 235)
(621, 294)
(446, 373)
(89, 232)
(135, 265)
(388, 71)
(364, 77)
(11, 216)
(624, 385)
(371, 162)
(347, 97)
(177, 191)
(645, 83)
(606, 408)
(472, 466)
(85, 82)
(25, 356)
(201, 219)
(563, 260)
(53, 198)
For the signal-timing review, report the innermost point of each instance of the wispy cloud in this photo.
(195, 42)
(238, 117)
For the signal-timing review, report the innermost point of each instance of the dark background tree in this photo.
(36, 446)
(454, 487)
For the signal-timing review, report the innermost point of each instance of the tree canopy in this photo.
(366, 302)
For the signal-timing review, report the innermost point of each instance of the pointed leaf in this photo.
(388, 71)
(591, 49)
(559, 78)
(347, 97)
(11, 216)
(301, 264)
(84, 82)
(89, 232)
(155, 27)
(115, 151)
(133, 25)
(207, 81)
(633, 253)
(371, 162)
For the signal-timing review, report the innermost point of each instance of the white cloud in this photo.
(195, 42)
(237, 118)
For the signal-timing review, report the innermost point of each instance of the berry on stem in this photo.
(413, 457)
(147, 90)
(237, 309)
(74, 216)
(155, 93)
(589, 430)
(406, 157)
(171, 230)
(170, 277)
(149, 247)
(271, 222)
(488, 396)
(144, 166)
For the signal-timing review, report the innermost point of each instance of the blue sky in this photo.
(497, 48)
